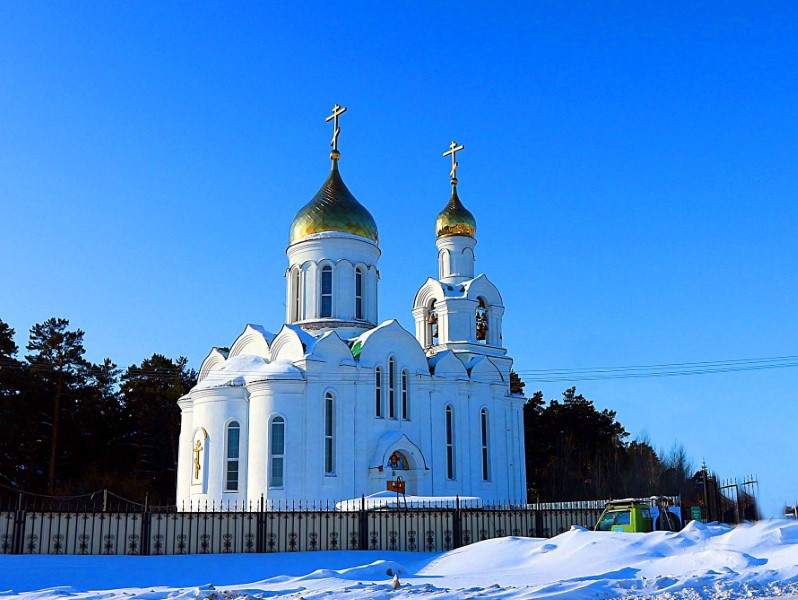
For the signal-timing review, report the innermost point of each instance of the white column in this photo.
(184, 453)
(456, 258)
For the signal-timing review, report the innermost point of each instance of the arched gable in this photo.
(332, 350)
(481, 286)
(292, 343)
(396, 440)
(482, 370)
(391, 338)
(431, 290)
(254, 340)
(446, 364)
(214, 360)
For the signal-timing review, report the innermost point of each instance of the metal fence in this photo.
(282, 529)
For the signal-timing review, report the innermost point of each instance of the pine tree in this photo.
(56, 360)
(149, 402)
(10, 381)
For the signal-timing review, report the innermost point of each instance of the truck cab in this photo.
(633, 515)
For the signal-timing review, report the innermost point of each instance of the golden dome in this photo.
(333, 208)
(455, 219)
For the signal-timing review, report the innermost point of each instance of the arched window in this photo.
(483, 418)
(233, 443)
(326, 292)
(405, 397)
(392, 388)
(277, 452)
(482, 321)
(329, 433)
(378, 392)
(449, 442)
(297, 313)
(358, 293)
(432, 325)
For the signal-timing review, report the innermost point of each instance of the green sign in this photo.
(695, 513)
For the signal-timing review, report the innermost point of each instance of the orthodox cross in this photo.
(453, 150)
(197, 450)
(337, 111)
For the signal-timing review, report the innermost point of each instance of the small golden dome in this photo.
(455, 219)
(333, 208)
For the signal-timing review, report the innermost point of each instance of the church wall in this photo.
(213, 409)
(268, 399)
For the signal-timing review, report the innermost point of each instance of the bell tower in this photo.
(458, 311)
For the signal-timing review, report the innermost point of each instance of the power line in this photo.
(529, 375)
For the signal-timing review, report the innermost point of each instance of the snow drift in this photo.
(701, 561)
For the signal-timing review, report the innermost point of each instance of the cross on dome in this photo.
(453, 150)
(337, 111)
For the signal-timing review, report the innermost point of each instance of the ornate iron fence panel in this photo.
(79, 533)
(414, 530)
(158, 532)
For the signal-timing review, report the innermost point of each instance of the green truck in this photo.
(635, 515)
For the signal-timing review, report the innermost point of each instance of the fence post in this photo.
(457, 538)
(363, 525)
(18, 536)
(146, 520)
(260, 530)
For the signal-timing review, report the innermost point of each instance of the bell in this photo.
(433, 318)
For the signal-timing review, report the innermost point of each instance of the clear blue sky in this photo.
(632, 170)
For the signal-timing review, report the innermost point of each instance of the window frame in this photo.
(326, 269)
(359, 294)
(405, 394)
(274, 456)
(297, 295)
(451, 472)
(329, 433)
(232, 424)
(484, 429)
(392, 387)
(378, 382)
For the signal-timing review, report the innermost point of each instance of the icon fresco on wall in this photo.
(397, 461)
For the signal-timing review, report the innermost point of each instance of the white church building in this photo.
(335, 403)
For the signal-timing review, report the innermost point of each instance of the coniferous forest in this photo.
(73, 427)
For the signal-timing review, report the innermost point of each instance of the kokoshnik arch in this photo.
(336, 404)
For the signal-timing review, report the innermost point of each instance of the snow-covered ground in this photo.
(713, 561)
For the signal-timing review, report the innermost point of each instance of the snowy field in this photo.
(713, 561)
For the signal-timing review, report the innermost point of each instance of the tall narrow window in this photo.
(326, 291)
(329, 440)
(297, 316)
(449, 442)
(358, 293)
(392, 388)
(277, 451)
(485, 458)
(405, 398)
(378, 391)
(233, 442)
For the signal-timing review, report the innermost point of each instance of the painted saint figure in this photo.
(397, 461)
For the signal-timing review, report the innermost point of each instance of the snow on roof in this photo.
(240, 370)
(267, 335)
(358, 342)
(307, 340)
